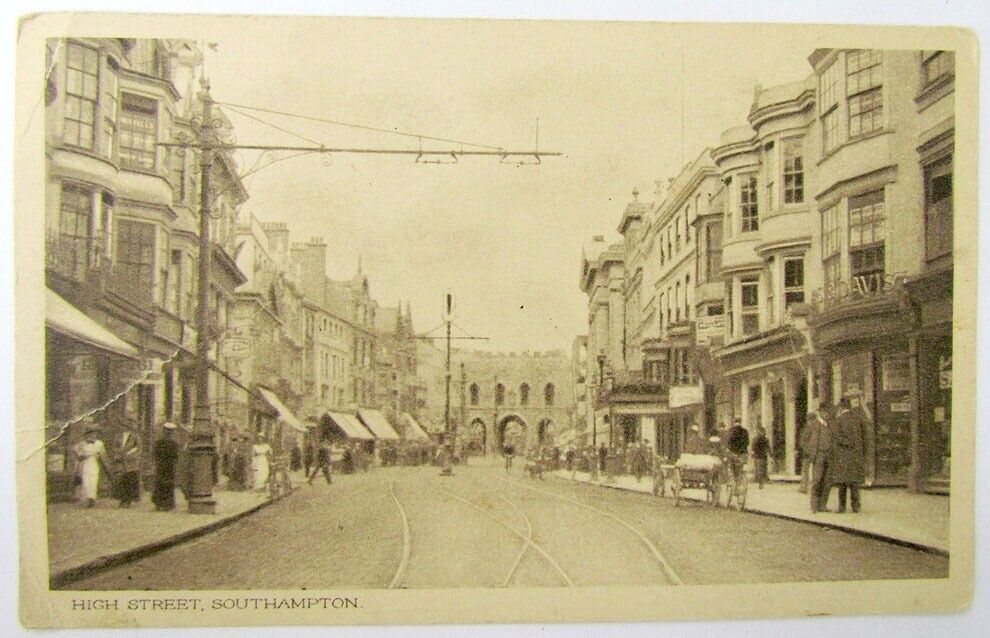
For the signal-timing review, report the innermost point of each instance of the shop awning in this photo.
(376, 422)
(284, 414)
(64, 318)
(350, 426)
(413, 429)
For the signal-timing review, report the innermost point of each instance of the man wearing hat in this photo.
(166, 455)
(848, 467)
(818, 450)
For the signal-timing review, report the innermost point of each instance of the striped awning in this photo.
(64, 318)
(378, 424)
(413, 429)
(350, 426)
(284, 414)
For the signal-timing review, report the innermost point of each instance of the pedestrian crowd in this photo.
(121, 460)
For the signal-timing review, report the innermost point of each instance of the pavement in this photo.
(483, 527)
(892, 514)
(84, 540)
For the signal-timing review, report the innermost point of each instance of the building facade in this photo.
(806, 257)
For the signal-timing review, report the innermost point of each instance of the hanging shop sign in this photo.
(707, 328)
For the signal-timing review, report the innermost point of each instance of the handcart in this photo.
(698, 471)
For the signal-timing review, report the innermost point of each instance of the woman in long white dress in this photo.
(261, 463)
(90, 455)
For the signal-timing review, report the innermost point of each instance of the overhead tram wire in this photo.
(363, 127)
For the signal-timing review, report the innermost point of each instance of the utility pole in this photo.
(448, 468)
(202, 448)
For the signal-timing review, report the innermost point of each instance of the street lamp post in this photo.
(202, 447)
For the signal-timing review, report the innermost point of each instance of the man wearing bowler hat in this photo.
(848, 467)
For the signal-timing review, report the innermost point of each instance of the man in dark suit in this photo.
(848, 466)
(819, 446)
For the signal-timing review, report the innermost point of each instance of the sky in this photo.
(626, 103)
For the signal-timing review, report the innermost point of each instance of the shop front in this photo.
(932, 296)
(865, 352)
(769, 384)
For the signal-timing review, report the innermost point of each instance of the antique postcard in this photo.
(568, 321)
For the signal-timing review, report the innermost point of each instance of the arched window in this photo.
(499, 394)
(524, 394)
(548, 394)
(474, 394)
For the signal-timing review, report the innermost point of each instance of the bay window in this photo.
(72, 251)
(938, 208)
(81, 90)
(793, 171)
(831, 249)
(710, 252)
(749, 312)
(864, 83)
(134, 265)
(110, 108)
(748, 207)
(828, 107)
(793, 281)
(138, 132)
(935, 65)
(866, 240)
(770, 171)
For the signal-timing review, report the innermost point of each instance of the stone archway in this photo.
(511, 428)
(477, 436)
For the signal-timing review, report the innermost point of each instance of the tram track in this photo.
(669, 573)
(526, 538)
(400, 571)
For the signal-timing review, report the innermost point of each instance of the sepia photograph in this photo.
(317, 311)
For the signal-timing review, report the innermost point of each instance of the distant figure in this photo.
(261, 462)
(324, 462)
(166, 456)
(761, 453)
(90, 457)
(509, 452)
(736, 444)
(642, 460)
(307, 458)
(295, 457)
(848, 467)
(696, 442)
(819, 451)
(602, 456)
(127, 459)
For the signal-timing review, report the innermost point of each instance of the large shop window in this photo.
(138, 132)
(748, 207)
(938, 208)
(793, 281)
(134, 266)
(828, 107)
(866, 240)
(793, 172)
(81, 88)
(864, 80)
(750, 311)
